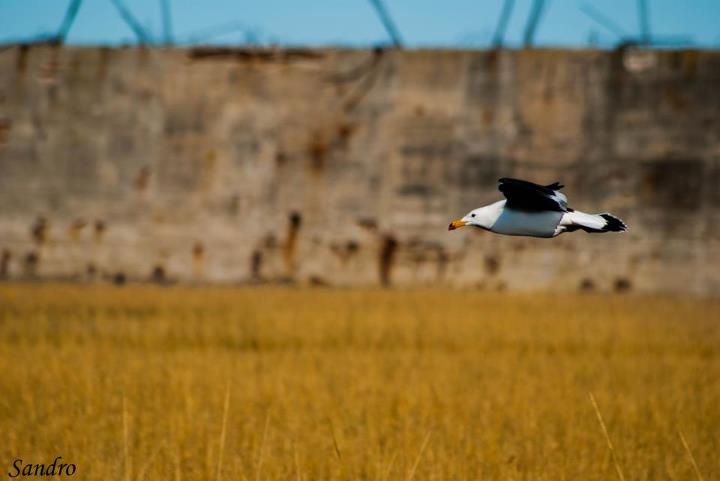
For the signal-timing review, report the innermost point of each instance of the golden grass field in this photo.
(257, 384)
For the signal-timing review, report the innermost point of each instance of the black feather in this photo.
(613, 224)
(555, 186)
(528, 196)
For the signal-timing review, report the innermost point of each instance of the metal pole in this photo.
(643, 16)
(167, 21)
(603, 20)
(533, 21)
(387, 22)
(503, 22)
(67, 22)
(134, 25)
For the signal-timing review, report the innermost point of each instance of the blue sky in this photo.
(422, 23)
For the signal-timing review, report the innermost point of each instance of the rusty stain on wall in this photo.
(5, 258)
(91, 271)
(39, 230)
(48, 74)
(158, 274)
(76, 228)
(673, 183)
(119, 278)
(99, 229)
(344, 251)
(209, 169)
(586, 285)
(142, 178)
(386, 259)
(256, 262)
(5, 126)
(21, 58)
(30, 265)
(622, 284)
(290, 246)
(492, 264)
(345, 130)
(443, 259)
(198, 259)
(367, 223)
(317, 150)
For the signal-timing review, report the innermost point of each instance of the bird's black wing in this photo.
(527, 196)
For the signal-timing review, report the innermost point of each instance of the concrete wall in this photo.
(344, 167)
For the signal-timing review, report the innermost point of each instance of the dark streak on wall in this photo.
(290, 247)
(387, 259)
(5, 264)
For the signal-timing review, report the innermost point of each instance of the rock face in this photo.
(344, 167)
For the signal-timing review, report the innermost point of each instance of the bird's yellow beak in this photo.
(456, 224)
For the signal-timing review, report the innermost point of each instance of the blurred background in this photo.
(330, 143)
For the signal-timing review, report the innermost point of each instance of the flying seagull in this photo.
(536, 211)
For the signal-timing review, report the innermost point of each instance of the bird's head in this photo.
(476, 218)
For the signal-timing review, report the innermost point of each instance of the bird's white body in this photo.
(533, 224)
(537, 211)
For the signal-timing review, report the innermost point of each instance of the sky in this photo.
(421, 23)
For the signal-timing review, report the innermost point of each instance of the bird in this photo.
(535, 210)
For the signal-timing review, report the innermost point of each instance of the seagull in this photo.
(536, 211)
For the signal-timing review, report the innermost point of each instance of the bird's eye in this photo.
(472, 215)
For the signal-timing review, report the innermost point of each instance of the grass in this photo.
(299, 384)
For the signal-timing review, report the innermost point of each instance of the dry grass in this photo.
(294, 384)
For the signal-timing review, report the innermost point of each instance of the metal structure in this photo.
(499, 36)
(644, 38)
(643, 17)
(68, 20)
(536, 12)
(604, 21)
(387, 22)
(167, 22)
(125, 13)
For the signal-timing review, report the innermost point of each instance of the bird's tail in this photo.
(593, 223)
